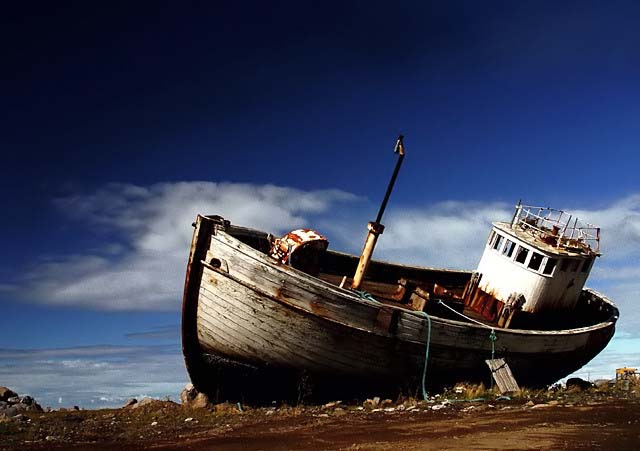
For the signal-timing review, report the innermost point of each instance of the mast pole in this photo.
(376, 228)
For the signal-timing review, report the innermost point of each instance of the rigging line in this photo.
(465, 316)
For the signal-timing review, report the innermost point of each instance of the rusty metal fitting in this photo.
(375, 227)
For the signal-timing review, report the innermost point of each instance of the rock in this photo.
(331, 404)
(155, 423)
(76, 408)
(13, 400)
(201, 401)
(576, 383)
(187, 420)
(386, 403)
(28, 400)
(410, 403)
(530, 403)
(190, 397)
(9, 412)
(49, 438)
(21, 407)
(371, 403)
(540, 406)
(188, 394)
(129, 402)
(3, 404)
(553, 402)
(6, 393)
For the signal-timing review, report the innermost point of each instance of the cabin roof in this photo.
(542, 242)
(553, 231)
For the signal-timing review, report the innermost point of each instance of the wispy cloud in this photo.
(450, 234)
(94, 376)
(141, 266)
(171, 332)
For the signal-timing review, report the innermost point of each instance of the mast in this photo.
(375, 227)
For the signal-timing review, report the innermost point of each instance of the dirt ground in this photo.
(592, 421)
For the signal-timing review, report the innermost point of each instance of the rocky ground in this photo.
(463, 418)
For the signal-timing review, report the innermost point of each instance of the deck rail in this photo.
(557, 227)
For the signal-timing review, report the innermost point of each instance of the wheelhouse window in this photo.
(498, 243)
(492, 237)
(549, 266)
(521, 254)
(536, 261)
(509, 247)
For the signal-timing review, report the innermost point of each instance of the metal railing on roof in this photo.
(557, 228)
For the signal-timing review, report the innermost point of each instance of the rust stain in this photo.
(283, 248)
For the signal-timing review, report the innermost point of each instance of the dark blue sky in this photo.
(539, 97)
(497, 100)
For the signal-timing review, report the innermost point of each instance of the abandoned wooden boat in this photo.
(267, 318)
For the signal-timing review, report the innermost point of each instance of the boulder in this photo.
(9, 412)
(371, 403)
(575, 383)
(28, 400)
(6, 393)
(201, 401)
(21, 407)
(188, 394)
(129, 402)
(190, 397)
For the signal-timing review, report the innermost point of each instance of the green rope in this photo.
(365, 295)
(493, 337)
(426, 357)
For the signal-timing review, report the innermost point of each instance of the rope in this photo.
(465, 316)
(492, 336)
(365, 295)
(426, 356)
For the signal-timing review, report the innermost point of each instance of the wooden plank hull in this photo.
(254, 329)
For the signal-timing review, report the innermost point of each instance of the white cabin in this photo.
(543, 254)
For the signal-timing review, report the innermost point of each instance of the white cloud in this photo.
(95, 376)
(146, 270)
(449, 234)
(141, 265)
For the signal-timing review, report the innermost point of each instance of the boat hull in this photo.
(257, 330)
